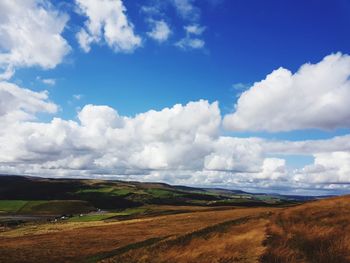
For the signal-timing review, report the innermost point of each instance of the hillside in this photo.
(90, 195)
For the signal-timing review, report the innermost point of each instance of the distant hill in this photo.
(114, 194)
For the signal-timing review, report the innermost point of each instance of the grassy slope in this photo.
(11, 206)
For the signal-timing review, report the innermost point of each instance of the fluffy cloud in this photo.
(102, 140)
(18, 104)
(235, 154)
(17, 107)
(328, 168)
(154, 139)
(160, 31)
(273, 169)
(316, 96)
(31, 35)
(107, 21)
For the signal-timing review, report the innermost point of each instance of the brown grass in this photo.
(91, 241)
(317, 232)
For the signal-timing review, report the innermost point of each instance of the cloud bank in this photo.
(183, 144)
(183, 139)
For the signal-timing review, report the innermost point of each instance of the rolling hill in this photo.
(87, 195)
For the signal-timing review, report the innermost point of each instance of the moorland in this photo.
(71, 220)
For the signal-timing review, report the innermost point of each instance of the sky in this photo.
(242, 94)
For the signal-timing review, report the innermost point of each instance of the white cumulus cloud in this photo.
(181, 138)
(315, 97)
(31, 35)
(107, 22)
(328, 168)
(18, 104)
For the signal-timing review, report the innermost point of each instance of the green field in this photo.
(44, 207)
(161, 193)
(93, 217)
(11, 206)
(104, 216)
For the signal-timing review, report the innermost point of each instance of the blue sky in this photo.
(239, 43)
(244, 41)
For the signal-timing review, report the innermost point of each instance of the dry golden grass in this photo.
(316, 232)
(74, 243)
(232, 241)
